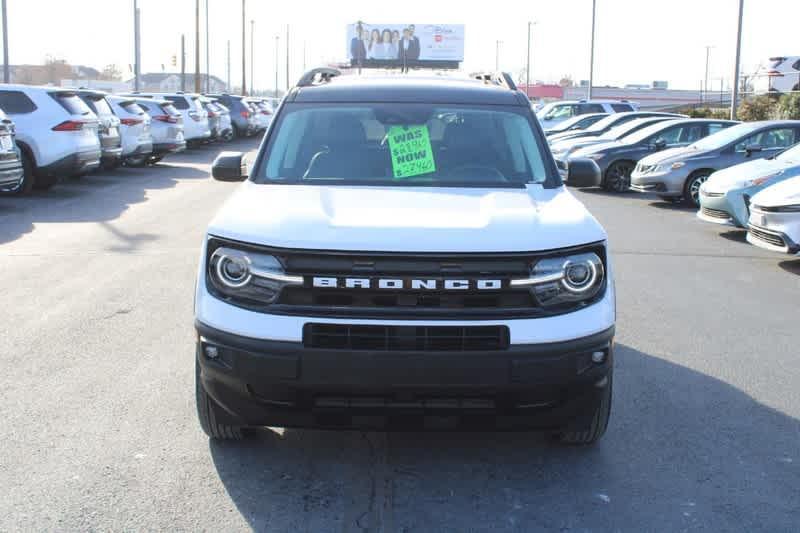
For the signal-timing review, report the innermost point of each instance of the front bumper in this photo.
(728, 208)
(774, 231)
(663, 184)
(534, 386)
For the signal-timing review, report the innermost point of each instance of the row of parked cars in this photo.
(738, 174)
(51, 133)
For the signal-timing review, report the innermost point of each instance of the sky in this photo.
(637, 41)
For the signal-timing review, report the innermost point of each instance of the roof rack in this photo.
(503, 79)
(317, 76)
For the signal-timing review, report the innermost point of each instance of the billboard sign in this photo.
(409, 45)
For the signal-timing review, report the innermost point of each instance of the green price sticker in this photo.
(411, 151)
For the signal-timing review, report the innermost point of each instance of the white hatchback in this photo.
(775, 218)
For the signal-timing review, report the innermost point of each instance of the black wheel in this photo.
(28, 178)
(598, 424)
(671, 199)
(618, 176)
(691, 190)
(137, 161)
(207, 413)
(154, 160)
(44, 183)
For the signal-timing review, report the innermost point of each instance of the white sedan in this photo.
(774, 222)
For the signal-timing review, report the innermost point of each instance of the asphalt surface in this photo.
(99, 430)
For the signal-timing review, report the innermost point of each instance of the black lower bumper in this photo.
(161, 149)
(76, 163)
(270, 383)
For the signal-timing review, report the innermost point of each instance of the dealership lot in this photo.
(98, 406)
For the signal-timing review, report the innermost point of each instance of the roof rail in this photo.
(317, 76)
(496, 78)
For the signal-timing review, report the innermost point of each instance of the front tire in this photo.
(596, 428)
(137, 161)
(618, 176)
(208, 410)
(691, 190)
(25, 187)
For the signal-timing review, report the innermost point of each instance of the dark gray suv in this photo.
(242, 118)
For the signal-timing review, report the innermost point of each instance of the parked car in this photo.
(678, 174)
(265, 110)
(580, 122)
(608, 123)
(55, 130)
(166, 128)
(774, 222)
(11, 171)
(242, 117)
(137, 141)
(443, 286)
(618, 158)
(213, 118)
(195, 118)
(725, 197)
(262, 119)
(563, 150)
(555, 112)
(108, 129)
(779, 74)
(226, 123)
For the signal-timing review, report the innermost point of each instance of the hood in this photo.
(671, 155)
(566, 135)
(594, 148)
(570, 145)
(783, 193)
(739, 176)
(419, 219)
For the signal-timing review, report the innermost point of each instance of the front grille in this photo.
(715, 213)
(405, 338)
(766, 236)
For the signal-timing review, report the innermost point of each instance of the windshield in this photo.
(647, 131)
(791, 155)
(567, 124)
(724, 137)
(404, 144)
(611, 120)
(623, 129)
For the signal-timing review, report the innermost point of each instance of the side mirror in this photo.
(660, 144)
(583, 172)
(229, 166)
(752, 148)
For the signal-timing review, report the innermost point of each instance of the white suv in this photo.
(56, 132)
(778, 74)
(195, 117)
(554, 113)
(404, 254)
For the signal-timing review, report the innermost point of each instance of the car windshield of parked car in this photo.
(605, 123)
(621, 131)
(723, 138)
(404, 144)
(647, 131)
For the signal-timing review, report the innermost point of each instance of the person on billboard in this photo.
(375, 49)
(389, 47)
(358, 52)
(395, 45)
(406, 49)
(415, 49)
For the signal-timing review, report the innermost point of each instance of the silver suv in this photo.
(110, 139)
(195, 118)
(166, 127)
(56, 132)
(11, 171)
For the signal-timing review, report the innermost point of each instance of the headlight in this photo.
(676, 165)
(247, 277)
(561, 280)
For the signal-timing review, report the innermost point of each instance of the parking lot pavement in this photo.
(99, 429)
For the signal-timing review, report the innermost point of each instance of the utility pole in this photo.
(6, 68)
(277, 39)
(304, 55)
(497, 56)
(137, 70)
(197, 86)
(591, 54)
(229, 66)
(208, 55)
(183, 62)
(287, 58)
(244, 53)
(528, 65)
(252, 55)
(735, 95)
(705, 84)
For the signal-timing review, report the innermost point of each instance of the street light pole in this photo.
(528, 65)
(252, 55)
(229, 66)
(208, 54)
(197, 86)
(591, 54)
(497, 56)
(183, 63)
(705, 84)
(277, 39)
(735, 95)
(244, 52)
(287, 58)
(136, 54)
(6, 68)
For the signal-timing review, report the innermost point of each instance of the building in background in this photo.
(170, 82)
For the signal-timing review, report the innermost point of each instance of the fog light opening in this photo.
(598, 357)
(212, 352)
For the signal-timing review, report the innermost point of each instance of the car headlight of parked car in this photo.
(565, 280)
(246, 277)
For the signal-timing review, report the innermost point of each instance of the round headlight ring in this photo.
(579, 277)
(233, 270)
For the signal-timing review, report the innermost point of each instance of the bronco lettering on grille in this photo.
(413, 284)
